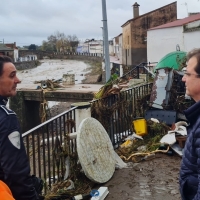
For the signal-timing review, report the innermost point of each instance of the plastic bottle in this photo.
(81, 196)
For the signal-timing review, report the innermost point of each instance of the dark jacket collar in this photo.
(193, 112)
(3, 100)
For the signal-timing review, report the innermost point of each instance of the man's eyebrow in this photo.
(13, 72)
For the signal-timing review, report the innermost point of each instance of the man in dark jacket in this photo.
(190, 165)
(14, 164)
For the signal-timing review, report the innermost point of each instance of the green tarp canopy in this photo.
(175, 60)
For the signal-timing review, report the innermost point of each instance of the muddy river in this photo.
(53, 69)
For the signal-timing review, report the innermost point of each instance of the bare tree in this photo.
(73, 42)
(60, 43)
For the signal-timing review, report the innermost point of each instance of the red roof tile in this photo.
(179, 22)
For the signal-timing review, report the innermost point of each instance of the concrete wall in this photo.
(27, 111)
(78, 57)
(138, 55)
(53, 55)
(126, 48)
(120, 48)
(117, 46)
(191, 40)
(26, 65)
(27, 103)
(191, 35)
(163, 41)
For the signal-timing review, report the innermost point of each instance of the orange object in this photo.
(5, 193)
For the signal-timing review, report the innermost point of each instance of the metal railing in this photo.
(135, 71)
(44, 142)
(79, 54)
(117, 112)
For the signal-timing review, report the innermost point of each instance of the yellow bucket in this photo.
(140, 126)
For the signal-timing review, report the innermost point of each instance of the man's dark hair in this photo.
(3, 60)
(195, 53)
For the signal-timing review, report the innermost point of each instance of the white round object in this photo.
(95, 151)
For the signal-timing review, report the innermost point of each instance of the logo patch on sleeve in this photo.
(14, 138)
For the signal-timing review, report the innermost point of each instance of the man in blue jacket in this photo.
(190, 165)
(14, 164)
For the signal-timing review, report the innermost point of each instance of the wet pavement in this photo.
(155, 179)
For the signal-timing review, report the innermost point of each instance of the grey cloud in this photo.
(32, 21)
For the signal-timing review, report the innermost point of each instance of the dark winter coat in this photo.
(190, 165)
(14, 164)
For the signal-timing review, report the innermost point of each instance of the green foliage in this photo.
(32, 47)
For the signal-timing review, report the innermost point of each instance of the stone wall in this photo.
(26, 65)
(55, 55)
(78, 57)
(135, 32)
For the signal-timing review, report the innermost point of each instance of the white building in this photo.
(91, 46)
(117, 46)
(183, 34)
(96, 46)
(27, 58)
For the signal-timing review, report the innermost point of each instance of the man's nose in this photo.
(17, 80)
(183, 78)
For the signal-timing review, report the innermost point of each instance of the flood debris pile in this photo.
(76, 181)
(177, 99)
(49, 84)
(149, 144)
(108, 88)
(67, 189)
(105, 110)
(167, 98)
(93, 161)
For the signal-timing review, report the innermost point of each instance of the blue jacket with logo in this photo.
(190, 165)
(14, 164)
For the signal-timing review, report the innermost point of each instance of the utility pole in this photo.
(103, 42)
(105, 39)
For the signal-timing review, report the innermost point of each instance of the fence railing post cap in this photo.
(81, 105)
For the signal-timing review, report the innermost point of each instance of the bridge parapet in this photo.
(27, 102)
(61, 55)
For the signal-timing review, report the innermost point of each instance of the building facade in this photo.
(134, 32)
(117, 47)
(7, 51)
(182, 34)
(91, 46)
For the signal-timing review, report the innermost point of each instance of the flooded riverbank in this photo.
(54, 69)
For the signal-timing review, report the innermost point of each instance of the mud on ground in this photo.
(155, 179)
(94, 74)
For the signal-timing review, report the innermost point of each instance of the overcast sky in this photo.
(32, 21)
